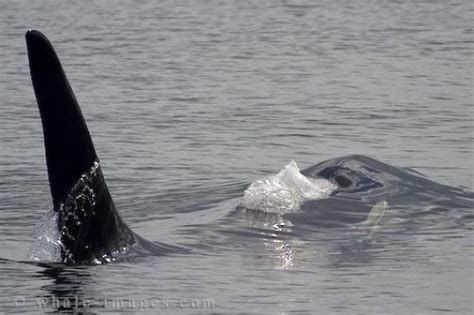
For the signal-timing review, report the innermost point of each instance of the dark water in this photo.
(188, 103)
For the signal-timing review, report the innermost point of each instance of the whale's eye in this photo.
(343, 181)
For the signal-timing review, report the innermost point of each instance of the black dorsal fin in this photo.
(69, 149)
(91, 229)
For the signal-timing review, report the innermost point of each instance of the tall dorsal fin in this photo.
(90, 227)
(69, 149)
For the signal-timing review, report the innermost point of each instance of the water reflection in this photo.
(67, 290)
(271, 228)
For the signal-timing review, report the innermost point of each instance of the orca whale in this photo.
(91, 230)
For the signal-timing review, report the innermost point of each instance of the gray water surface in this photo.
(189, 102)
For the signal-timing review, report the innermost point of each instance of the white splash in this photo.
(47, 243)
(286, 191)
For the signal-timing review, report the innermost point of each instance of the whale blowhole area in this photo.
(286, 191)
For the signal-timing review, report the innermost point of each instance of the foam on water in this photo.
(47, 243)
(286, 191)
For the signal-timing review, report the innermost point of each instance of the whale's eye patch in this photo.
(343, 181)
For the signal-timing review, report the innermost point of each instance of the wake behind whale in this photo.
(85, 227)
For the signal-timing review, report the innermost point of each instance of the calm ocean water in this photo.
(189, 102)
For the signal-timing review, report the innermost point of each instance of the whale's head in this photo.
(356, 177)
